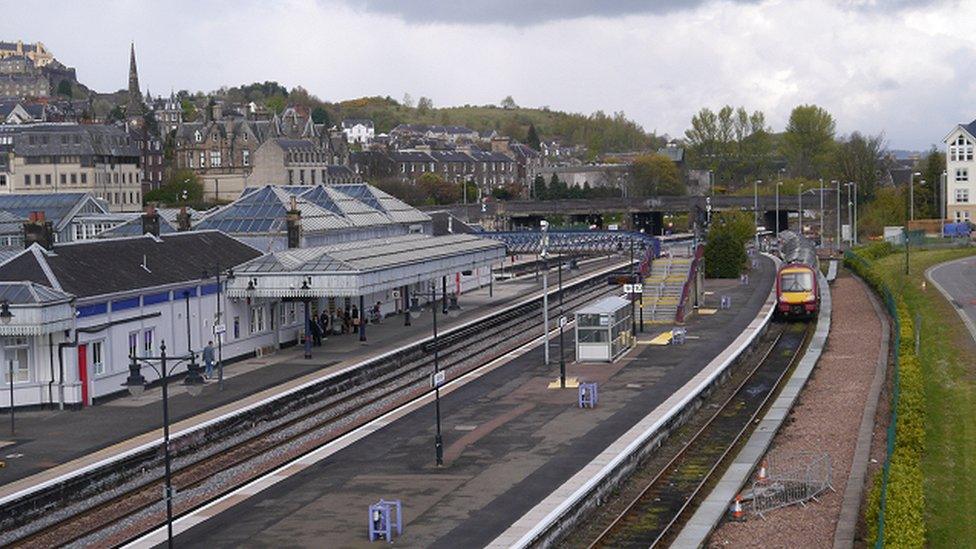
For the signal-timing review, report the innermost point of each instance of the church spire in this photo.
(135, 96)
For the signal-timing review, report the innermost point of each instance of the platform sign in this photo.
(219, 329)
(396, 294)
(613, 227)
(633, 288)
(436, 380)
(563, 321)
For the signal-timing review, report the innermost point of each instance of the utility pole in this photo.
(837, 213)
(544, 225)
(821, 213)
(942, 203)
(755, 209)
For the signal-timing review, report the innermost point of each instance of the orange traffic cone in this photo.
(737, 513)
(763, 475)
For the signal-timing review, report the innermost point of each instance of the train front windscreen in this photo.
(796, 282)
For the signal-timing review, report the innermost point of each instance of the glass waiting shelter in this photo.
(603, 330)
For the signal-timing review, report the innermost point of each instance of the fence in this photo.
(803, 477)
(864, 269)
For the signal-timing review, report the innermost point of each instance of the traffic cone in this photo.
(738, 514)
(763, 476)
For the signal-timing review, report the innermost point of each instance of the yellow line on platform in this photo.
(663, 339)
(571, 383)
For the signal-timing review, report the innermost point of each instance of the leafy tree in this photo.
(64, 88)
(321, 116)
(888, 208)
(532, 138)
(725, 248)
(181, 187)
(436, 190)
(424, 105)
(509, 103)
(557, 188)
(656, 175)
(275, 104)
(732, 143)
(407, 101)
(116, 114)
(809, 140)
(189, 110)
(860, 158)
(404, 190)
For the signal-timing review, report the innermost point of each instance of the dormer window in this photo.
(198, 137)
(961, 149)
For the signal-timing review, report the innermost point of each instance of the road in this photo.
(957, 282)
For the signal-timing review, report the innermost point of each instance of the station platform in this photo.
(509, 442)
(51, 443)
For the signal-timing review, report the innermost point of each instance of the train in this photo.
(797, 284)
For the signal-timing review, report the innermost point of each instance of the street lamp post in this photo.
(755, 209)
(778, 183)
(415, 311)
(633, 280)
(942, 203)
(544, 225)
(799, 195)
(5, 317)
(837, 212)
(562, 354)
(189, 339)
(219, 321)
(821, 213)
(136, 384)
(854, 234)
(911, 195)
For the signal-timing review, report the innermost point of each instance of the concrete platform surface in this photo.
(509, 442)
(49, 443)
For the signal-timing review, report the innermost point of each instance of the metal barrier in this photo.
(793, 484)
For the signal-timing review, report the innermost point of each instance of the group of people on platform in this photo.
(341, 322)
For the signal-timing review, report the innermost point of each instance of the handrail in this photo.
(679, 315)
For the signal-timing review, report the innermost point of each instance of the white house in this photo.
(358, 130)
(960, 171)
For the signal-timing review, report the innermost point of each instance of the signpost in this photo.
(436, 380)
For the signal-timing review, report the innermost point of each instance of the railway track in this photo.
(133, 512)
(654, 515)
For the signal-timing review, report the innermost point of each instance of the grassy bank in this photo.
(949, 380)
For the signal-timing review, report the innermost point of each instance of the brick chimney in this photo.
(36, 229)
(294, 223)
(150, 221)
(183, 220)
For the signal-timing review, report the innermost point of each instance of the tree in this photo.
(539, 190)
(532, 138)
(181, 187)
(424, 104)
(436, 190)
(116, 114)
(275, 104)
(189, 110)
(64, 88)
(509, 103)
(321, 116)
(888, 208)
(656, 175)
(809, 140)
(407, 101)
(725, 248)
(860, 158)
(928, 201)
(733, 144)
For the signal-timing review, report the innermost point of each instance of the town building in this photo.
(23, 85)
(73, 216)
(961, 173)
(168, 113)
(284, 161)
(358, 130)
(55, 158)
(37, 53)
(151, 157)
(21, 112)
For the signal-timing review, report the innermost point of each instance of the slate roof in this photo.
(57, 208)
(440, 224)
(100, 267)
(263, 211)
(133, 227)
(51, 139)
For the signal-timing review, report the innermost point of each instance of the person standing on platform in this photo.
(208, 360)
(316, 333)
(324, 323)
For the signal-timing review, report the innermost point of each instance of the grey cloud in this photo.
(519, 12)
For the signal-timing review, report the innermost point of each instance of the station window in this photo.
(97, 358)
(15, 354)
(147, 341)
(133, 343)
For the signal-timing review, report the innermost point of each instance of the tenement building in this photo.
(56, 158)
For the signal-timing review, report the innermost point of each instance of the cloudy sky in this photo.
(905, 68)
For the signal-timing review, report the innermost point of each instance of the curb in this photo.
(962, 314)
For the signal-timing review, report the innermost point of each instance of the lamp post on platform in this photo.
(437, 378)
(136, 384)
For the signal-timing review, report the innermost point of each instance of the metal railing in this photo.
(803, 477)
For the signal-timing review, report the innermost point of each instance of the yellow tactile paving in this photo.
(571, 383)
(664, 338)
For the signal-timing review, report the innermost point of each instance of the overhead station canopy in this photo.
(363, 267)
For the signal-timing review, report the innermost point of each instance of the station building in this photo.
(78, 310)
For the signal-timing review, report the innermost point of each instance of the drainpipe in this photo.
(50, 360)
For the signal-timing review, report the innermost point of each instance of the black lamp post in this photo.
(562, 320)
(308, 321)
(219, 320)
(136, 384)
(6, 316)
(415, 310)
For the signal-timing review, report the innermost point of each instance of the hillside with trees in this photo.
(598, 132)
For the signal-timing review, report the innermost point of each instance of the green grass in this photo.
(949, 370)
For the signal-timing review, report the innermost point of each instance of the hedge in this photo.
(896, 502)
